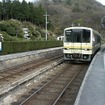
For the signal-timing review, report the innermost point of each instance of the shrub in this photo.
(11, 31)
(16, 47)
(3, 27)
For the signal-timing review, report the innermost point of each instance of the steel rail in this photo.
(23, 65)
(65, 89)
(14, 86)
(40, 88)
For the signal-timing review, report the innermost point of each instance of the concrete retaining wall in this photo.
(11, 60)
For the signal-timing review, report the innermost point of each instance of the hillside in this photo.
(12, 30)
(64, 13)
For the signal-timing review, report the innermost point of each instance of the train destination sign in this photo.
(0, 46)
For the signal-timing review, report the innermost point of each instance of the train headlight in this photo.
(86, 56)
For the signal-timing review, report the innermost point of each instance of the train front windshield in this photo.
(77, 35)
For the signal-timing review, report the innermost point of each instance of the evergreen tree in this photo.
(24, 10)
(3, 10)
(31, 12)
(8, 9)
(39, 16)
(0, 10)
(16, 10)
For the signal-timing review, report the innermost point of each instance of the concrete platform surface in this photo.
(16, 55)
(92, 90)
(11, 60)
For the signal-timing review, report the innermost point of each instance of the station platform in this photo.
(11, 60)
(92, 90)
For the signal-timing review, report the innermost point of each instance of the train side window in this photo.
(93, 38)
(96, 37)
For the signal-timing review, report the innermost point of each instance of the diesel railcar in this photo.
(80, 43)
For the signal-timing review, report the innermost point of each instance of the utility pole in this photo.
(46, 16)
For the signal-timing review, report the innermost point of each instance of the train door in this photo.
(77, 43)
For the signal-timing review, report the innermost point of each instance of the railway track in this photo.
(68, 96)
(14, 79)
(52, 91)
(25, 67)
(16, 76)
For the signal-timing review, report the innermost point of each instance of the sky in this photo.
(29, 0)
(101, 1)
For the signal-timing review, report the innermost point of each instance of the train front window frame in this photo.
(78, 35)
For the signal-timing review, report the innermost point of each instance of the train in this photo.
(80, 43)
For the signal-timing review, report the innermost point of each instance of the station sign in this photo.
(0, 46)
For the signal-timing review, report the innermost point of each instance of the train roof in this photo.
(78, 28)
